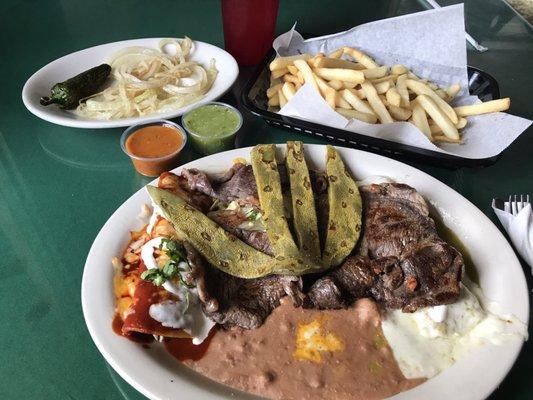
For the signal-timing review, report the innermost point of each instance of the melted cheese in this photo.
(123, 307)
(312, 340)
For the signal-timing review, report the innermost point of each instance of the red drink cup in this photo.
(249, 27)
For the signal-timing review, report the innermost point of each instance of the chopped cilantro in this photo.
(171, 270)
(253, 215)
(156, 276)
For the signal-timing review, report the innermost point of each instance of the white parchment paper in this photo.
(432, 45)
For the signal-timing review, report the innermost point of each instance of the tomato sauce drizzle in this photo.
(184, 349)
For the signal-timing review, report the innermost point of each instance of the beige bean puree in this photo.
(307, 354)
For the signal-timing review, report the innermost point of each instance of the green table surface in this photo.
(59, 185)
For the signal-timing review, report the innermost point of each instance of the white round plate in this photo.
(70, 65)
(159, 376)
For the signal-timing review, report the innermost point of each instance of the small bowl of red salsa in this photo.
(154, 147)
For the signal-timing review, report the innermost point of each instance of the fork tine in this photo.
(507, 205)
(527, 199)
(513, 205)
(520, 204)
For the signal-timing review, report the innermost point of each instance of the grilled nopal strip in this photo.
(231, 255)
(344, 224)
(266, 174)
(220, 248)
(303, 204)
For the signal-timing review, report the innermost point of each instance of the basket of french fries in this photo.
(374, 94)
(399, 86)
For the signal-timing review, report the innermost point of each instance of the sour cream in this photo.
(187, 313)
(431, 339)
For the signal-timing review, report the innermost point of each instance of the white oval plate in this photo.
(159, 376)
(70, 65)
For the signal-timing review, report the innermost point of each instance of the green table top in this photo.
(59, 185)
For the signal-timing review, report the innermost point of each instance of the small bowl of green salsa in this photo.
(212, 127)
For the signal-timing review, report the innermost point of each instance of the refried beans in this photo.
(307, 354)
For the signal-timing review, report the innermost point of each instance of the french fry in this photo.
(288, 90)
(330, 97)
(292, 69)
(360, 57)
(297, 86)
(340, 74)
(356, 102)
(375, 73)
(453, 90)
(337, 53)
(323, 88)
(361, 116)
(432, 86)
(301, 77)
(388, 78)
(398, 69)
(411, 75)
(328, 93)
(349, 85)
(398, 113)
(341, 103)
(283, 62)
(393, 97)
(438, 115)
(314, 60)
(420, 120)
(278, 73)
(282, 99)
(273, 90)
(437, 129)
(461, 124)
(328, 62)
(381, 88)
(307, 73)
(484, 108)
(421, 88)
(290, 78)
(446, 139)
(274, 100)
(442, 94)
(376, 103)
(402, 90)
(335, 84)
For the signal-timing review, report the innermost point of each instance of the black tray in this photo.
(255, 100)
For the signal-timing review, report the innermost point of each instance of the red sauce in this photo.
(136, 337)
(158, 147)
(154, 141)
(184, 349)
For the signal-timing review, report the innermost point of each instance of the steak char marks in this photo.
(401, 261)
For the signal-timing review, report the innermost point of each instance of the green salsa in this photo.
(212, 127)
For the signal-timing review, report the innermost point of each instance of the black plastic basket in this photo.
(254, 99)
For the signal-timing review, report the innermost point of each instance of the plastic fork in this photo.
(515, 205)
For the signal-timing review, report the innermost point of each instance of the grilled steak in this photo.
(238, 183)
(232, 301)
(401, 261)
(247, 302)
(231, 220)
